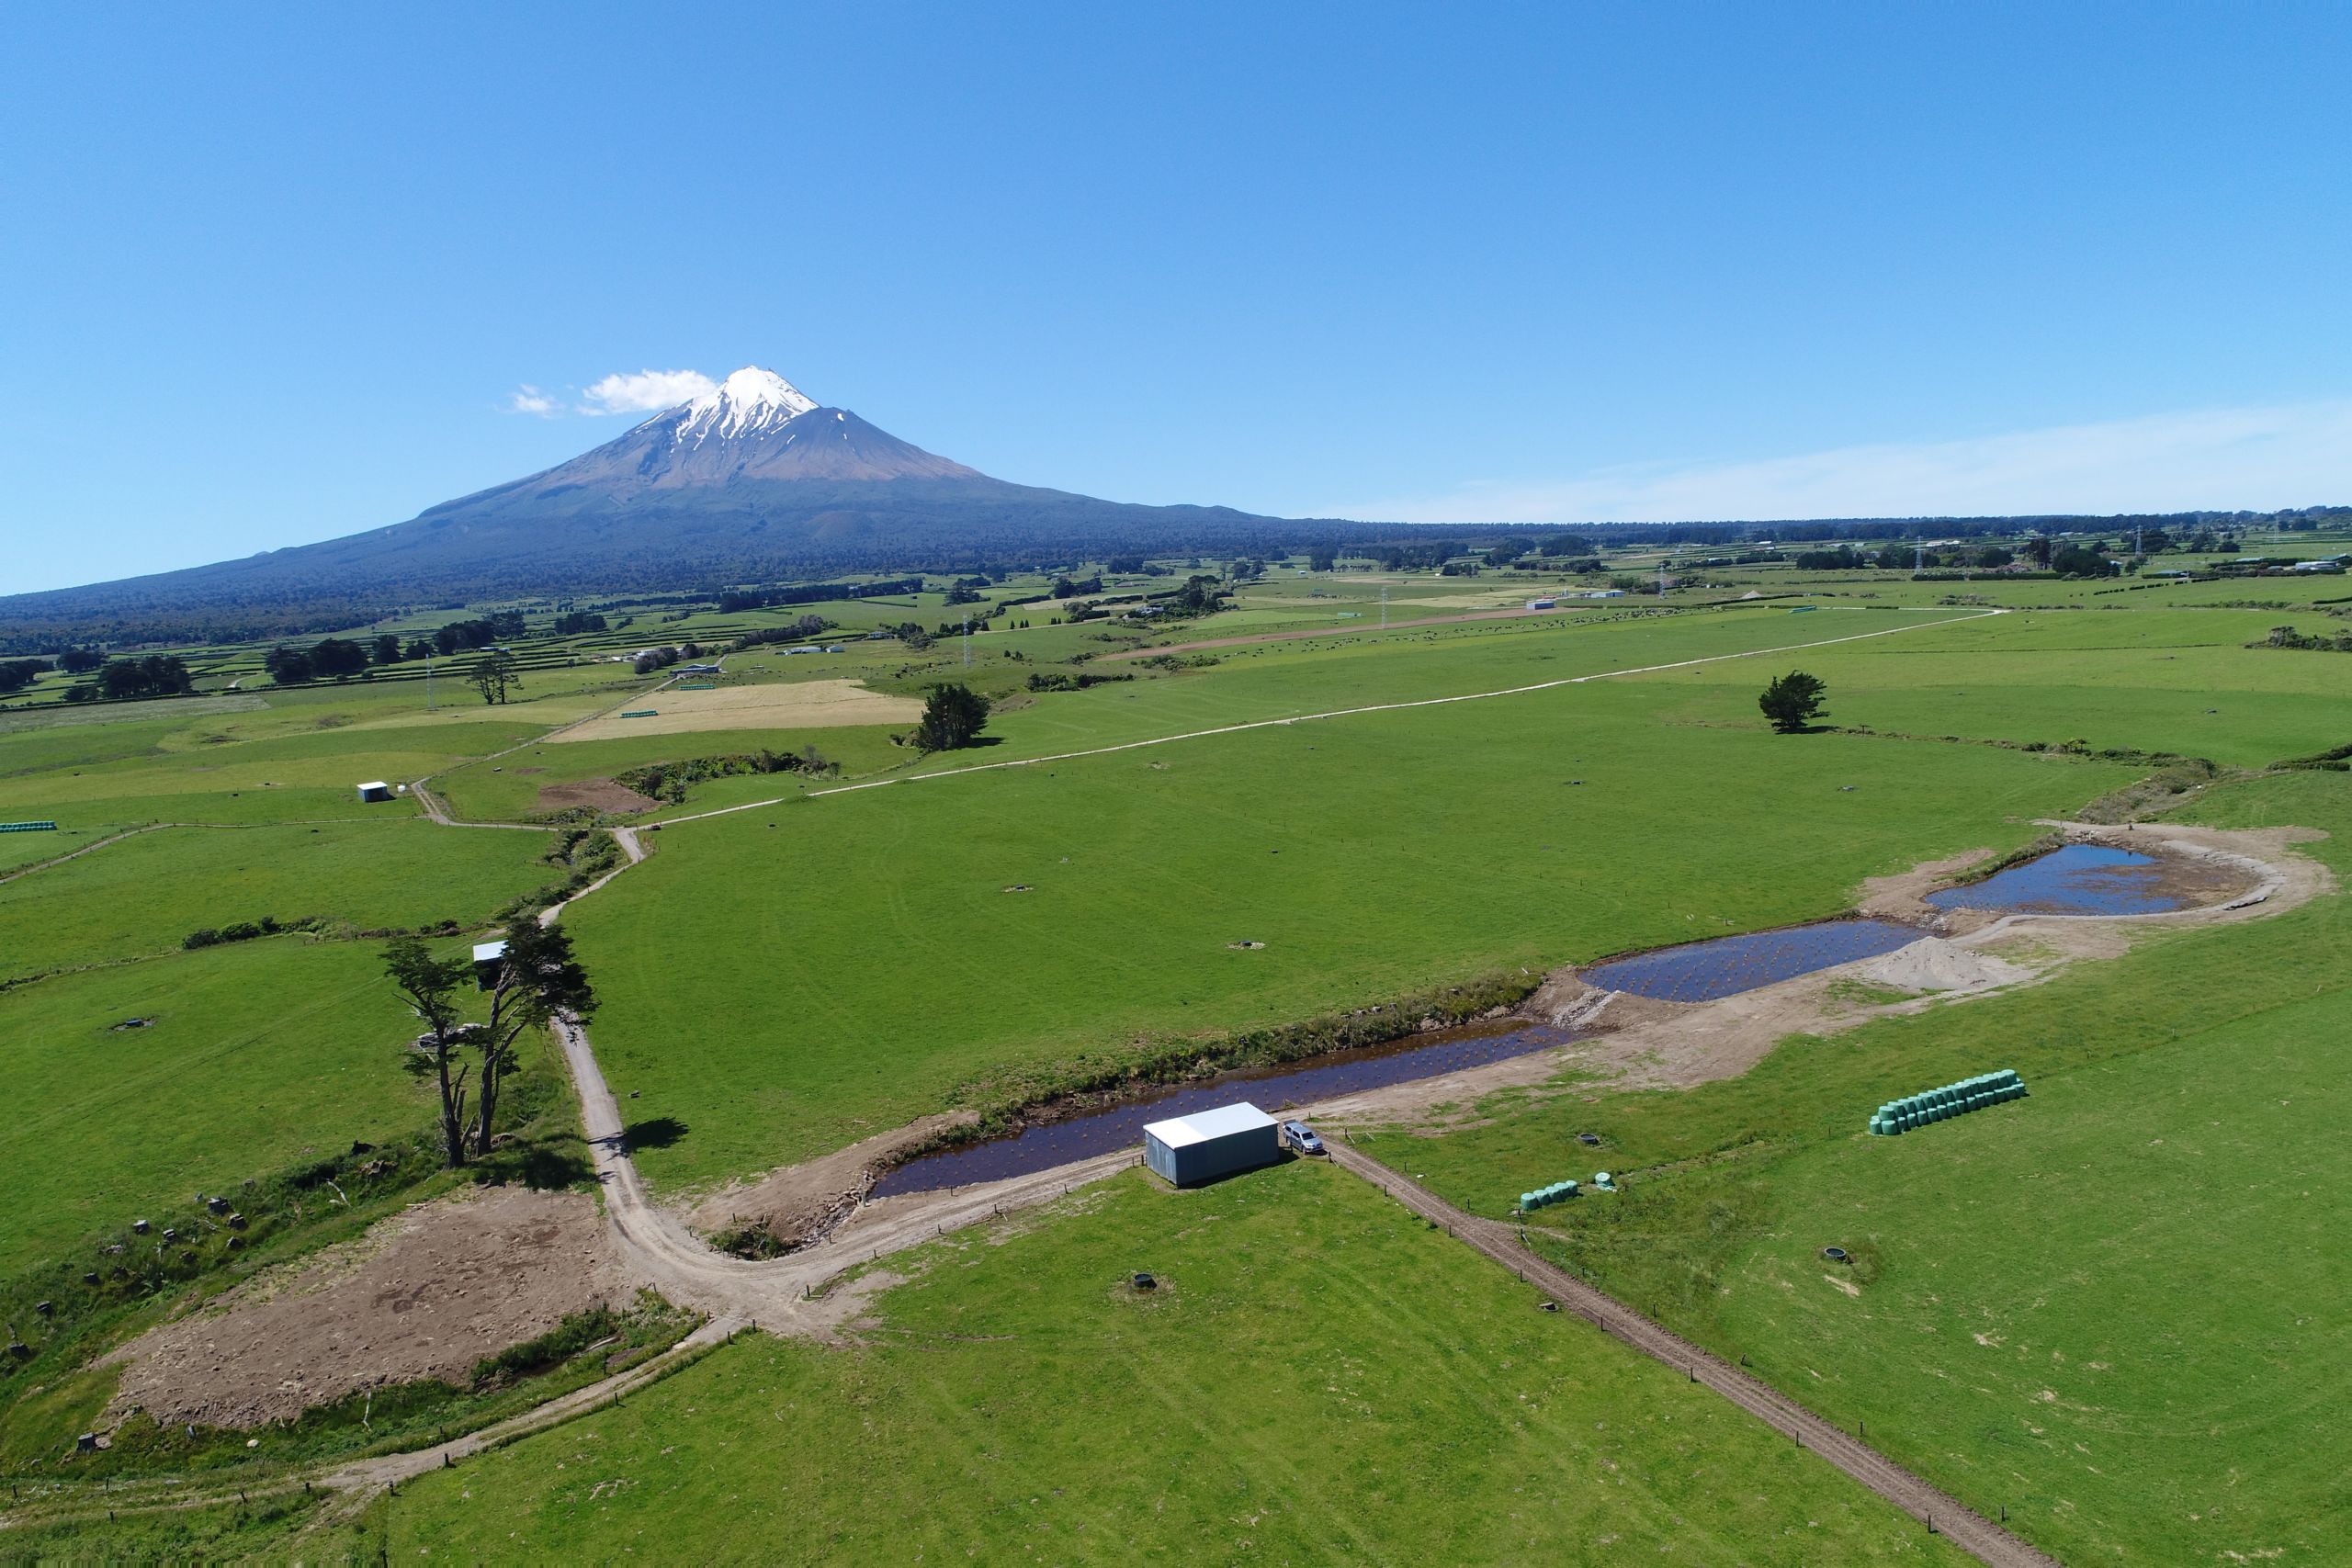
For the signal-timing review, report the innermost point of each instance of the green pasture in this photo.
(143, 894)
(787, 980)
(20, 850)
(1281, 680)
(1321, 1377)
(257, 1054)
(508, 791)
(2107, 1308)
(2164, 681)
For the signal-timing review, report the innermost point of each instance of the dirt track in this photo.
(1498, 1241)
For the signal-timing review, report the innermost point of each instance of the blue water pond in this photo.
(1701, 971)
(2081, 879)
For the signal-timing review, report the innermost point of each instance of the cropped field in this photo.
(774, 704)
(1321, 1378)
(2106, 1307)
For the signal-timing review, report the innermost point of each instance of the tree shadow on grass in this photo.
(659, 1133)
(546, 1161)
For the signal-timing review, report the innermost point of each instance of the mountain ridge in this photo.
(751, 480)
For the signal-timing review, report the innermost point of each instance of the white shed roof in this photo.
(489, 952)
(375, 783)
(1202, 1125)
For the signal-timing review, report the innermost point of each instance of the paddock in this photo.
(775, 704)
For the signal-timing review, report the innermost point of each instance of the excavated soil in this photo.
(424, 1294)
(802, 1201)
(597, 794)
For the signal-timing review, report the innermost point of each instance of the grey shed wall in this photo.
(1188, 1165)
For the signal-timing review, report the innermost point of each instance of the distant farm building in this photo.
(490, 957)
(1606, 593)
(378, 790)
(1190, 1150)
(1543, 603)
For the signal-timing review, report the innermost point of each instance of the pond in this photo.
(2080, 879)
(1120, 1126)
(1702, 971)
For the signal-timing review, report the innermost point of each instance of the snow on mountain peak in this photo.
(749, 402)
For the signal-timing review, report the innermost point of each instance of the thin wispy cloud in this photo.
(645, 392)
(2260, 457)
(528, 398)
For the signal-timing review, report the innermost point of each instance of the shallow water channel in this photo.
(1702, 971)
(1120, 1126)
(2080, 879)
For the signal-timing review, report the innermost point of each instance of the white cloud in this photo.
(2218, 458)
(530, 399)
(647, 391)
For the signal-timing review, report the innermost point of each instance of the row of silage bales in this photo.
(1914, 1111)
(1544, 1196)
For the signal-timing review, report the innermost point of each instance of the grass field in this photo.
(1321, 1378)
(787, 980)
(2162, 681)
(780, 982)
(143, 894)
(259, 1054)
(2103, 1307)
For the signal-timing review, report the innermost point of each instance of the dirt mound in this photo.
(424, 1294)
(1936, 964)
(801, 1201)
(597, 794)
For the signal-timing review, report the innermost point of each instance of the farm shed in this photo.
(489, 958)
(378, 790)
(1189, 1150)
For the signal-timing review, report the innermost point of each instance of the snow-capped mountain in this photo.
(753, 426)
(749, 402)
(754, 480)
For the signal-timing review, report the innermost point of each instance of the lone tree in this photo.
(494, 674)
(539, 980)
(430, 985)
(953, 717)
(1793, 701)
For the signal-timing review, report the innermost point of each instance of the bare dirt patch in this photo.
(775, 704)
(596, 794)
(424, 1294)
(801, 1201)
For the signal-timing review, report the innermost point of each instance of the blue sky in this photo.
(273, 275)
